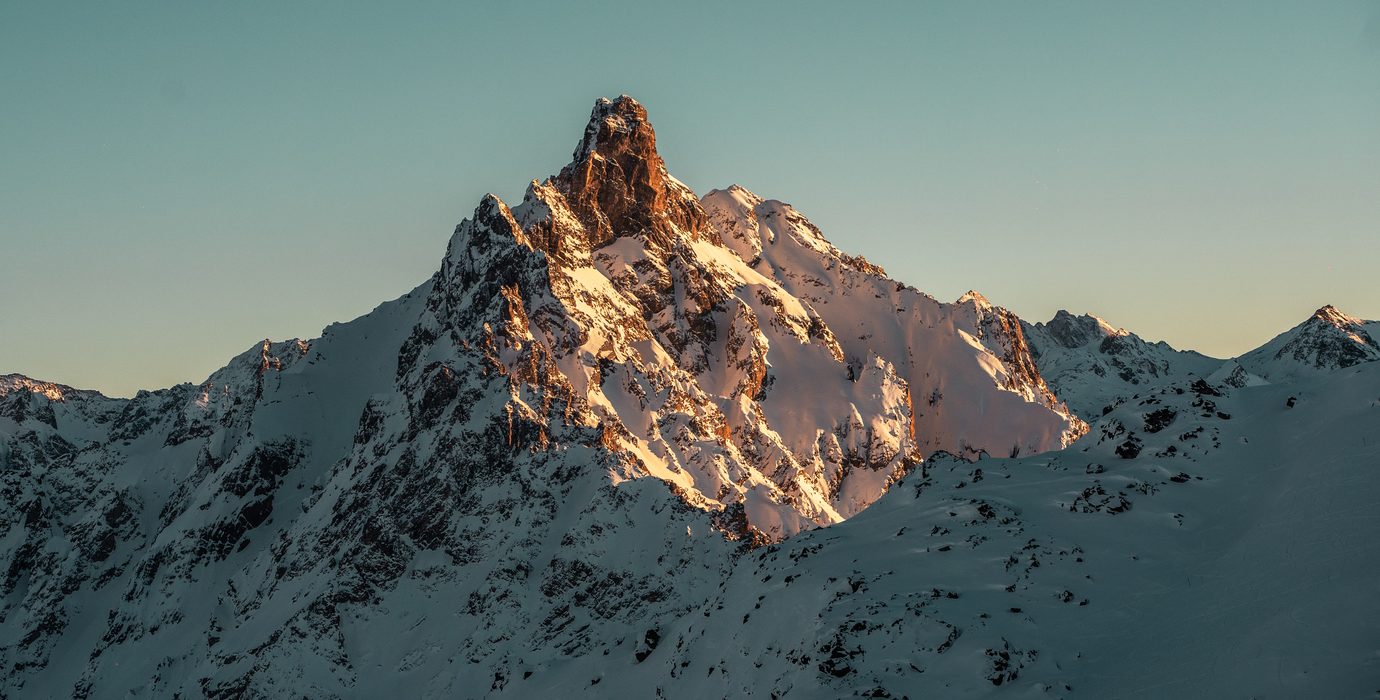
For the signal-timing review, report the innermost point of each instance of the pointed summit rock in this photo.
(617, 184)
(617, 126)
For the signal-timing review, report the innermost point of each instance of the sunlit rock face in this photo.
(617, 185)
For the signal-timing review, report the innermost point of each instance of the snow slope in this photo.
(1233, 555)
(1201, 541)
(948, 354)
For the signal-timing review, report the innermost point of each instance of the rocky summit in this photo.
(629, 441)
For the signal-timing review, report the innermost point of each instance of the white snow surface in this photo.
(970, 375)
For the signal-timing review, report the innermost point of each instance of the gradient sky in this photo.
(179, 180)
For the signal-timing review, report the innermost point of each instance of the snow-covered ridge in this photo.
(1088, 362)
(16, 383)
(1328, 340)
(961, 351)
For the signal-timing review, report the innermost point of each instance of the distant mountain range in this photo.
(596, 454)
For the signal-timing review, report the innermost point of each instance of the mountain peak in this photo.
(976, 297)
(1328, 340)
(1334, 316)
(617, 125)
(618, 184)
(1072, 331)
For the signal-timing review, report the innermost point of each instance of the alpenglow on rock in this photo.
(573, 427)
(716, 366)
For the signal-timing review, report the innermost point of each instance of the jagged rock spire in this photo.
(618, 184)
(617, 125)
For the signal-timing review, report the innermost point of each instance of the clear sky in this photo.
(180, 180)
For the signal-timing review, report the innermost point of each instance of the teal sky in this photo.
(180, 180)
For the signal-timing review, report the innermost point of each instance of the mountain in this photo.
(605, 397)
(1327, 341)
(1089, 363)
(632, 442)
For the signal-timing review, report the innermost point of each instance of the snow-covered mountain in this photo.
(1089, 363)
(1327, 341)
(599, 342)
(592, 454)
